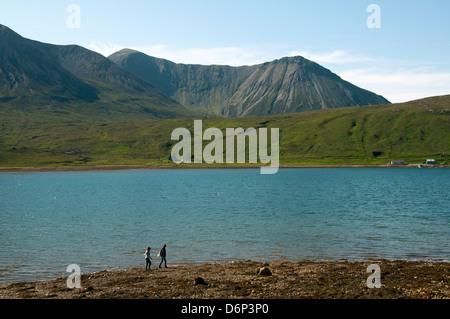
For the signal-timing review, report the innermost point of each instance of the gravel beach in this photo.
(250, 280)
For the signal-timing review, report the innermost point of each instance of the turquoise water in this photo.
(102, 220)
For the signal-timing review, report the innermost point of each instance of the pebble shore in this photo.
(250, 280)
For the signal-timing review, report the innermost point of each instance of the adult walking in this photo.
(148, 262)
(162, 254)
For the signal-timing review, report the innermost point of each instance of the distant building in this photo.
(398, 162)
(431, 161)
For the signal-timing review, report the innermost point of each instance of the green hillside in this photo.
(366, 135)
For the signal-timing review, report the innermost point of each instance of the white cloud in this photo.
(105, 49)
(233, 56)
(400, 85)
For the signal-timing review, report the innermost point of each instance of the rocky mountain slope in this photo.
(290, 84)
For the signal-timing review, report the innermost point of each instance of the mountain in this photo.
(46, 81)
(25, 69)
(38, 78)
(286, 85)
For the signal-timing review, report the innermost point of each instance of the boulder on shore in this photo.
(264, 271)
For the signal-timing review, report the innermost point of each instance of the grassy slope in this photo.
(411, 131)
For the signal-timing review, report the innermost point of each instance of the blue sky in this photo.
(408, 57)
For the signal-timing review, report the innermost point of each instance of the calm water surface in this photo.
(102, 220)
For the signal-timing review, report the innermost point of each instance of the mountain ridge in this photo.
(285, 85)
(69, 80)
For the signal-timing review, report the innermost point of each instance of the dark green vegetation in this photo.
(53, 82)
(410, 131)
(282, 86)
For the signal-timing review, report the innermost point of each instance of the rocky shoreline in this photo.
(250, 280)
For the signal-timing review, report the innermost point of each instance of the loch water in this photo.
(106, 219)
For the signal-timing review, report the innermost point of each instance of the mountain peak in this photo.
(291, 59)
(5, 29)
(8, 35)
(125, 51)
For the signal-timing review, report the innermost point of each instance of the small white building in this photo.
(431, 161)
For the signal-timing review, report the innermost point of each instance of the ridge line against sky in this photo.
(404, 57)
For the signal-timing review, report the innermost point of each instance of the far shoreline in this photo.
(131, 168)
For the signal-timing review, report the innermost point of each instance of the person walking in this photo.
(148, 262)
(162, 254)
